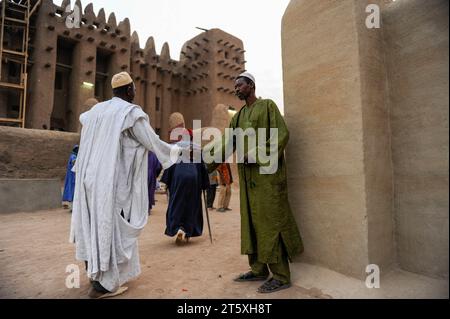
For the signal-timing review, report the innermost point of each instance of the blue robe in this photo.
(69, 183)
(154, 169)
(185, 182)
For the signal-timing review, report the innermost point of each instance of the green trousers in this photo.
(280, 270)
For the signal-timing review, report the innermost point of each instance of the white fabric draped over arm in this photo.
(167, 154)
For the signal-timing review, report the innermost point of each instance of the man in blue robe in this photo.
(69, 183)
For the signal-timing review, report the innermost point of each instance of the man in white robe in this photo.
(111, 203)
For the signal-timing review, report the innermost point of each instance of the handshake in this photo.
(189, 152)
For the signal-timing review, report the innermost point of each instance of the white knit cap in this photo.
(248, 76)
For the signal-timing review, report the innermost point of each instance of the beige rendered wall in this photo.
(368, 115)
(417, 56)
(324, 113)
(378, 170)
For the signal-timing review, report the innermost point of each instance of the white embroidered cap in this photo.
(121, 79)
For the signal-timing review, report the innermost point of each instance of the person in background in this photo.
(69, 182)
(212, 189)
(154, 169)
(226, 179)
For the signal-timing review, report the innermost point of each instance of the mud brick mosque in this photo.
(48, 80)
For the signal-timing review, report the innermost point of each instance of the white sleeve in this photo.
(167, 154)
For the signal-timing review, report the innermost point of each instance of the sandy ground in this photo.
(34, 254)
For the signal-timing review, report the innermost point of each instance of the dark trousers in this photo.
(211, 195)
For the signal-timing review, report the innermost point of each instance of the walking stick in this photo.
(207, 217)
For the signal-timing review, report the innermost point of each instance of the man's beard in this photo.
(241, 97)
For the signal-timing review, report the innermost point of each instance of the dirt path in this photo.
(34, 254)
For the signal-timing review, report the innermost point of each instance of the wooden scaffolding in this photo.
(15, 19)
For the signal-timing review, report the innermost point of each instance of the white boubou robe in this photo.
(110, 206)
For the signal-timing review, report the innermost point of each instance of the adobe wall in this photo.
(378, 169)
(214, 59)
(71, 63)
(368, 115)
(324, 113)
(94, 33)
(30, 154)
(417, 57)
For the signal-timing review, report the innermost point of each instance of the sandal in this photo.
(273, 285)
(181, 237)
(94, 294)
(249, 276)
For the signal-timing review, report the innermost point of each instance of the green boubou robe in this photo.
(266, 216)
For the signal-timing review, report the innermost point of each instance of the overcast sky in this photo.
(256, 22)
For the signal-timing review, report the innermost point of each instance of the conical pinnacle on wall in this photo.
(112, 21)
(101, 18)
(89, 15)
(165, 52)
(124, 28)
(149, 50)
(101, 21)
(135, 40)
(78, 5)
(65, 4)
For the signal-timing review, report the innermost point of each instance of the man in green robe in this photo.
(269, 233)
